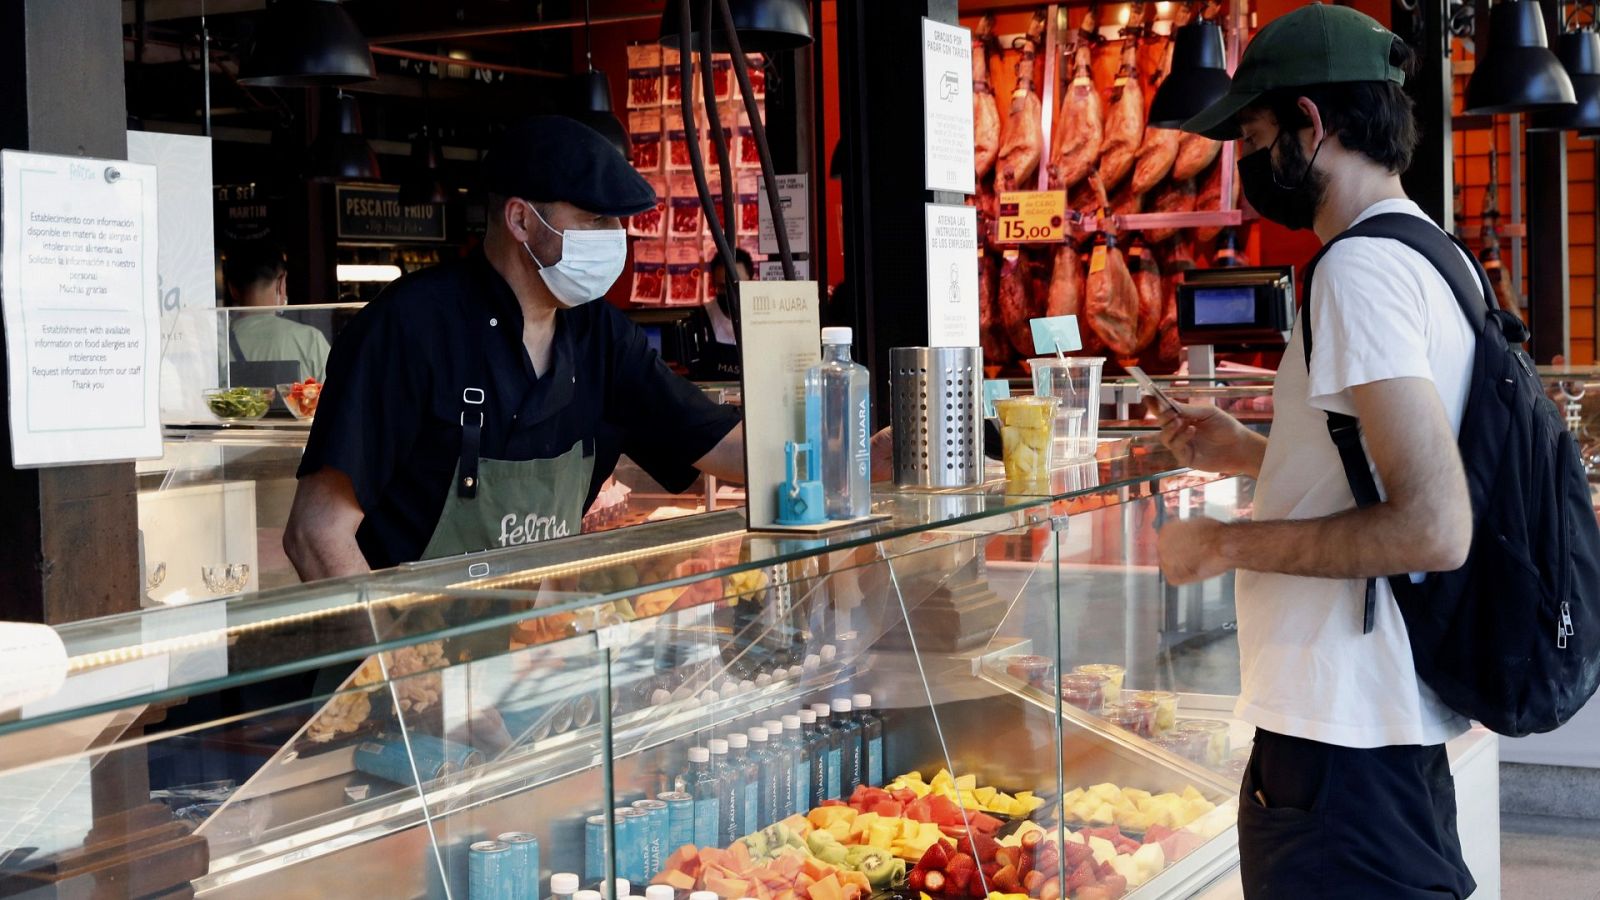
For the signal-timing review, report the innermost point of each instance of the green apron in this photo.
(505, 503)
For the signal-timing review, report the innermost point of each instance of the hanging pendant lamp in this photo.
(764, 26)
(589, 96)
(1517, 73)
(1199, 75)
(307, 43)
(1579, 52)
(341, 152)
(424, 182)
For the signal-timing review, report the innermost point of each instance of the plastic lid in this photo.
(842, 705)
(811, 661)
(564, 883)
(718, 746)
(808, 716)
(738, 741)
(862, 701)
(709, 697)
(698, 755)
(659, 892)
(791, 722)
(703, 895)
(822, 710)
(829, 652)
(774, 727)
(747, 685)
(836, 335)
(759, 735)
(763, 679)
(624, 888)
(660, 696)
(587, 895)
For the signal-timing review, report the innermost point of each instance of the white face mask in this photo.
(591, 262)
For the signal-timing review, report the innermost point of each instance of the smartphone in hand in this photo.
(1148, 385)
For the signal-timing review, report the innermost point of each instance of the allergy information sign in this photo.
(947, 107)
(82, 310)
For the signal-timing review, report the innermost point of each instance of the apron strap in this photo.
(471, 440)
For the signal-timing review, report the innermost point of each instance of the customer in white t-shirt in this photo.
(1348, 791)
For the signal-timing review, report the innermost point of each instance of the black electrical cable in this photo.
(691, 131)
(719, 139)
(741, 69)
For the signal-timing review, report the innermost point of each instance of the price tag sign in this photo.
(1032, 217)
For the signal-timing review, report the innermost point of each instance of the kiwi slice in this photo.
(879, 867)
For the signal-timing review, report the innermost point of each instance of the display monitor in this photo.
(1225, 305)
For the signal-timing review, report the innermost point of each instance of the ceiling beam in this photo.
(167, 10)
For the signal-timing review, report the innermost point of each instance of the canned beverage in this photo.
(594, 848)
(389, 758)
(680, 819)
(655, 836)
(525, 856)
(631, 838)
(490, 871)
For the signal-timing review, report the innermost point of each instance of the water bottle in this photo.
(730, 793)
(794, 726)
(839, 410)
(781, 747)
(849, 731)
(704, 787)
(871, 739)
(816, 744)
(768, 781)
(746, 783)
(833, 786)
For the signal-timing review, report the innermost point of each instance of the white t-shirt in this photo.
(1379, 311)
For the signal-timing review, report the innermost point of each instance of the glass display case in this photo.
(1012, 706)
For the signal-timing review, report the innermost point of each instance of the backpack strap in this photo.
(1444, 253)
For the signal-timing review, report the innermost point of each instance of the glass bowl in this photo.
(239, 404)
(301, 398)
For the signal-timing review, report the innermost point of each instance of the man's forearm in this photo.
(725, 461)
(316, 557)
(1374, 542)
(1252, 453)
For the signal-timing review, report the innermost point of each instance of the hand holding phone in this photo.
(1148, 385)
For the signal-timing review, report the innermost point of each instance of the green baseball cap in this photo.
(1315, 44)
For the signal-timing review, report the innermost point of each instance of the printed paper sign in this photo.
(796, 216)
(1058, 333)
(780, 338)
(952, 241)
(947, 107)
(1031, 217)
(82, 309)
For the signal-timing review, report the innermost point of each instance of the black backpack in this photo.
(1512, 638)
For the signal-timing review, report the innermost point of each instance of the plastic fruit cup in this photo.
(1113, 674)
(1166, 708)
(1027, 429)
(1137, 716)
(1174, 743)
(1035, 670)
(1086, 692)
(1208, 741)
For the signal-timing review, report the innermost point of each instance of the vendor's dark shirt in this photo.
(390, 414)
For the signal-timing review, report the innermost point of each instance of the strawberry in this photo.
(917, 880)
(937, 858)
(961, 870)
(1032, 882)
(1007, 881)
(935, 882)
(1083, 875)
(980, 846)
(1074, 853)
(1104, 870)
(1008, 856)
(975, 888)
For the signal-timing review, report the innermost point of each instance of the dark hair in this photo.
(248, 263)
(741, 257)
(1373, 118)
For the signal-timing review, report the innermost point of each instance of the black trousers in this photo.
(1320, 821)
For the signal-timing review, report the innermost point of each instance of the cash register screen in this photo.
(1225, 306)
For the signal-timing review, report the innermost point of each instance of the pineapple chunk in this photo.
(1189, 793)
(1136, 796)
(1067, 799)
(1105, 791)
(1103, 815)
(967, 783)
(986, 795)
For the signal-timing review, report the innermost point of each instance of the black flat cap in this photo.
(550, 158)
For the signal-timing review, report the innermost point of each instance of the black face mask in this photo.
(1289, 198)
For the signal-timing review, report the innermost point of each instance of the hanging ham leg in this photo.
(1080, 122)
(1111, 302)
(1066, 282)
(991, 334)
(1015, 308)
(985, 110)
(1171, 197)
(1210, 200)
(1023, 142)
(1147, 281)
(1125, 121)
(1169, 349)
(1160, 147)
(1195, 152)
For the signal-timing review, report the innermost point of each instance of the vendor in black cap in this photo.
(481, 403)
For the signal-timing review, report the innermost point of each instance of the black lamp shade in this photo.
(609, 128)
(589, 101)
(424, 182)
(340, 152)
(1579, 52)
(764, 26)
(1198, 78)
(1517, 73)
(307, 43)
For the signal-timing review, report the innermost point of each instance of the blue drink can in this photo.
(525, 856)
(631, 843)
(389, 758)
(680, 820)
(594, 848)
(490, 871)
(655, 836)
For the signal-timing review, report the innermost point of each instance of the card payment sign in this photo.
(1032, 217)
